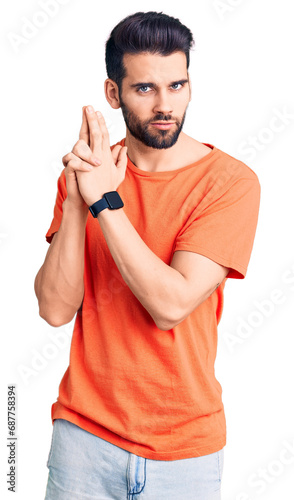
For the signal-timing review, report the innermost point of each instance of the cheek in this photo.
(182, 105)
(184, 99)
(141, 107)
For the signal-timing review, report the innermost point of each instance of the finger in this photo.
(84, 132)
(73, 162)
(122, 158)
(94, 129)
(104, 131)
(115, 152)
(66, 159)
(84, 152)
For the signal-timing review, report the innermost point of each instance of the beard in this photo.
(158, 139)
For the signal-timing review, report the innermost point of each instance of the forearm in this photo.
(168, 292)
(159, 287)
(59, 284)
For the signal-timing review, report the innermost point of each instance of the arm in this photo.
(168, 293)
(59, 283)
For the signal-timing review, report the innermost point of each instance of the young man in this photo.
(139, 412)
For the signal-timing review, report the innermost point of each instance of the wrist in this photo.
(109, 214)
(109, 201)
(78, 210)
(91, 201)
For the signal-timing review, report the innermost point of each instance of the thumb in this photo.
(122, 158)
(115, 153)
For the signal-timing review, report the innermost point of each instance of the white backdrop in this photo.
(242, 82)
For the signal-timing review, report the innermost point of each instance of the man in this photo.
(139, 412)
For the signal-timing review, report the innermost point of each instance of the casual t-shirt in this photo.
(149, 391)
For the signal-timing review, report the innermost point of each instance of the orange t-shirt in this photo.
(148, 391)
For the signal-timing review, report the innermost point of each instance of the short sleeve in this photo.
(57, 214)
(224, 231)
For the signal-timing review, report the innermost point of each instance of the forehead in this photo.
(146, 67)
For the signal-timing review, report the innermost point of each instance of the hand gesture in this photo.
(92, 168)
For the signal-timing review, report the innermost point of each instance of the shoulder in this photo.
(215, 161)
(224, 177)
(232, 180)
(235, 168)
(217, 166)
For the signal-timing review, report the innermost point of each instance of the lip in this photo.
(163, 125)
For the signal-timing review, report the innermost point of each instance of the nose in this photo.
(162, 103)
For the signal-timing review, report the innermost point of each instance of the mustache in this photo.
(162, 117)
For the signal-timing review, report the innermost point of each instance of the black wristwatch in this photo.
(110, 200)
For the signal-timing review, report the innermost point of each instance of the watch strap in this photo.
(98, 206)
(111, 200)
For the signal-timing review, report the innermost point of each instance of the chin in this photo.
(162, 144)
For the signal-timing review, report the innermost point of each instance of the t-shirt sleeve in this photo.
(224, 231)
(57, 214)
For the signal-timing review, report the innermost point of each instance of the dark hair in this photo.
(152, 32)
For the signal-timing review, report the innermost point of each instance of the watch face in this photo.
(114, 200)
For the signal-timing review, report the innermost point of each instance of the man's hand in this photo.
(86, 181)
(75, 163)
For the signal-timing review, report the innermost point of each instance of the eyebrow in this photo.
(150, 84)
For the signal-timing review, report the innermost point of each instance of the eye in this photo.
(177, 86)
(144, 89)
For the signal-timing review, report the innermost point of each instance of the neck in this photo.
(153, 160)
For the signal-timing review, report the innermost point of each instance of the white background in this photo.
(242, 77)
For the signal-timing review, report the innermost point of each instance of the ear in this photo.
(112, 93)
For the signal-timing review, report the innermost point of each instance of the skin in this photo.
(168, 292)
(162, 71)
(162, 127)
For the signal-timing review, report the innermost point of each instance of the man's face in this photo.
(154, 97)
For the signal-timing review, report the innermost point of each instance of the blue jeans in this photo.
(84, 467)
